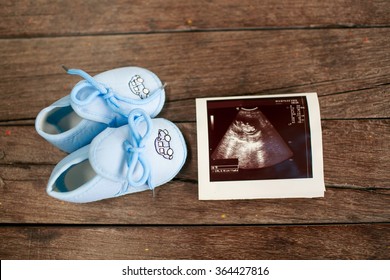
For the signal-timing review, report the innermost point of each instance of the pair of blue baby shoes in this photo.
(116, 145)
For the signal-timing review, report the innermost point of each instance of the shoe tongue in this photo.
(130, 82)
(165, 152)
(133, 86)
(108, 156)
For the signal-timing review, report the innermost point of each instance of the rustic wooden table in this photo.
(340, 49)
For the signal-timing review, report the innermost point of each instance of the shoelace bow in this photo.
(100, 89)
(135, 148)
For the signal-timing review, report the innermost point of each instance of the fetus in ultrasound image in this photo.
(259, 139)
(253, 140)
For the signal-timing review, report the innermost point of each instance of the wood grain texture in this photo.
(191, 242)
(59, 18)
(357, 104)
(338, 48)
(24, 200)
(355, 151)
(353, 64)
(355, 159)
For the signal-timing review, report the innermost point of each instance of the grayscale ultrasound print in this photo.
(253, 140)
(259, 139)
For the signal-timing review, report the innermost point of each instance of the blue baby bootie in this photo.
(141, 155)
(98, 102)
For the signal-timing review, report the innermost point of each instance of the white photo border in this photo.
(256, 189)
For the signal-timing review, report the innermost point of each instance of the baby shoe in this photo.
(98, 102)
(139, 156)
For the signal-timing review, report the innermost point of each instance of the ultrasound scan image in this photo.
(253, 139)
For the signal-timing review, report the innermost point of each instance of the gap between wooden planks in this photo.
(330, 61)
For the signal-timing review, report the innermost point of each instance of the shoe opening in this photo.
(74, 177)
(60, 120)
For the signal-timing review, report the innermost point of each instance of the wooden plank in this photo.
(207, 64)
(369, 103)
(355, 157)
(53, 18)
(251, 242)
(360, 104)
(356, 152)
(357, 149)
(23, 199)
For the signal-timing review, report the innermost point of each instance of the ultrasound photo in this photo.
(259, 139)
